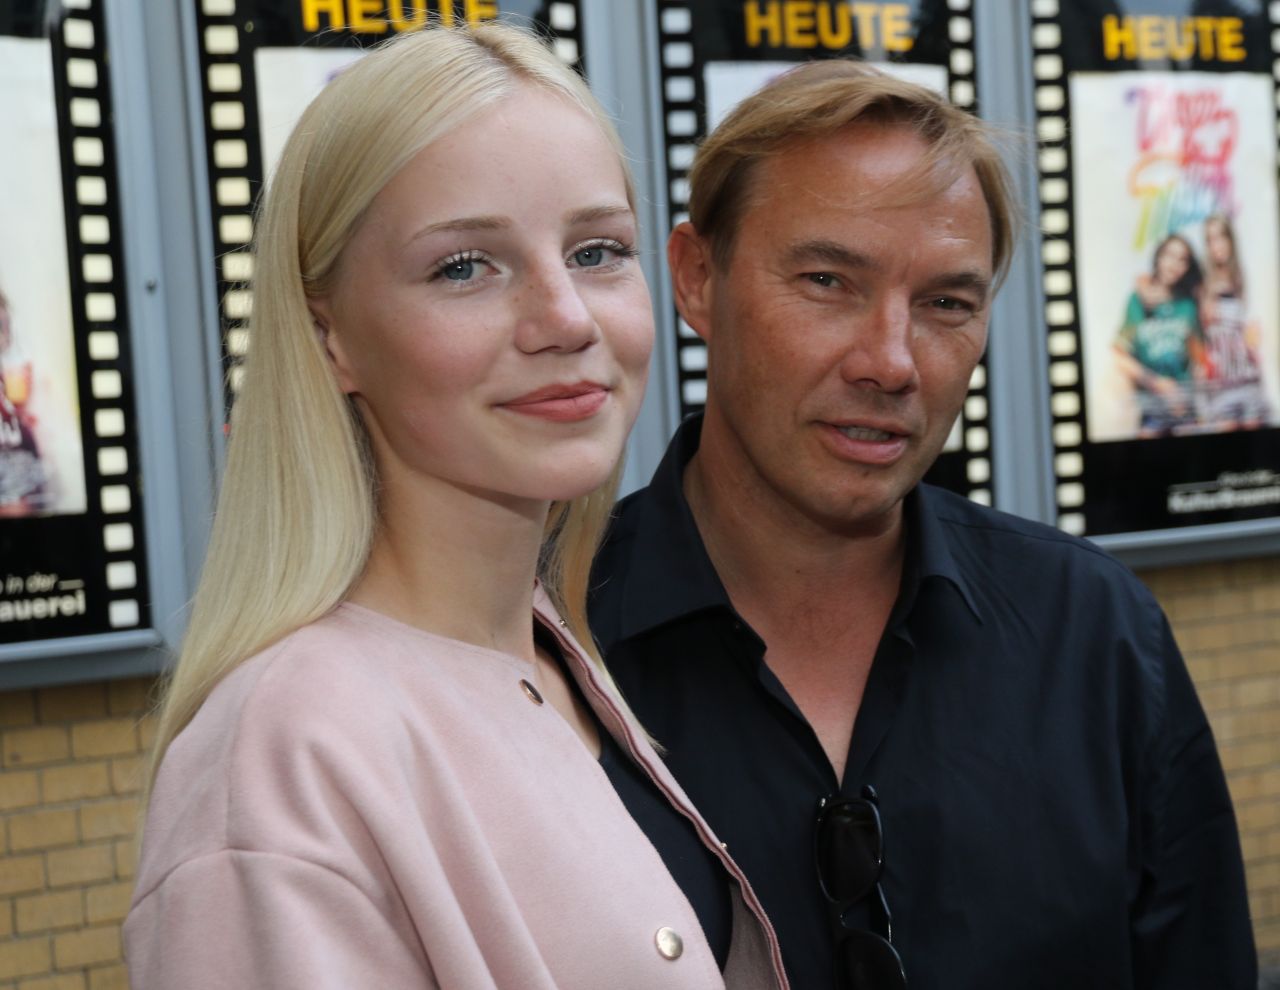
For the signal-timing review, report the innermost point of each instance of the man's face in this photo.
(844, 329)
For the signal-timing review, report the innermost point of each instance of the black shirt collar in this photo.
(670, 575)
(929, 551)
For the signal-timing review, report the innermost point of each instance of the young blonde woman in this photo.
(388, 756)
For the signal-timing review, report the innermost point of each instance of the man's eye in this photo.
(951, 303)
(824, 279)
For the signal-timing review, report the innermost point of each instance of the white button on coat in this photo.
(670, 944)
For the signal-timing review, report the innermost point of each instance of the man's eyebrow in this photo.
(830, 252)
(974, 281)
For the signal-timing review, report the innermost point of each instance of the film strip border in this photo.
(684, 125)
(1066, 372)
(227, 42)
(100, 316)
(1066, 369)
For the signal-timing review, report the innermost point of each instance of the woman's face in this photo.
(1172, 263)
(1217, 243)
(490, 314)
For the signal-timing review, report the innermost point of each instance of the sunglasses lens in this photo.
(850, 849)
(868, 962)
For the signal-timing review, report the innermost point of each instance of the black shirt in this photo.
(1055, 813)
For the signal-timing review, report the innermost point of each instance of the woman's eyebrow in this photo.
(463, 223)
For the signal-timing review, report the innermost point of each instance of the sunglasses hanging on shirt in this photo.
(849, 852)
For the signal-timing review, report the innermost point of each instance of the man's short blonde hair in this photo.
(817, 99)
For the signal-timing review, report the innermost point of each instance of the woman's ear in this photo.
(332, 342)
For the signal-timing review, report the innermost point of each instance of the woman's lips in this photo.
(561, 403)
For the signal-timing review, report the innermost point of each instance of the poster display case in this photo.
(72, 534)
(713, 53)
(1157, 163)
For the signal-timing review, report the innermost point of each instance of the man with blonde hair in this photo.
(944, 743)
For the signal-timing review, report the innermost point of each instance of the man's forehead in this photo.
(864, 166)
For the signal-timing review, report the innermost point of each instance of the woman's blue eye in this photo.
(589, 257)
(459, 271)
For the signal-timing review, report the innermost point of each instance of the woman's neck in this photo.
(456, 563)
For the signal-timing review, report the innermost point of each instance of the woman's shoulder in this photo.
(311, 673)
(284, 742)
(312, 684)
(337, 693)
(322, 680)
(338, 660)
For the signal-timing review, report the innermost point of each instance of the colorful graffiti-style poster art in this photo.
(41, 450)
(1177, 249)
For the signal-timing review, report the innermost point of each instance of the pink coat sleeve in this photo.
(243, 919)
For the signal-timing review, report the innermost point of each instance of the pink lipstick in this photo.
(561, 403)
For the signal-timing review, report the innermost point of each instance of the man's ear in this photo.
(322, 320)
(691, 264)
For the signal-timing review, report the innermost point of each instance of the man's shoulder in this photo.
(1000, 542)
(626, 514)
(619, 552)
(624, 538)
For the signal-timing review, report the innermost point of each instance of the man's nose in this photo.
(551, 313)
(880, 352)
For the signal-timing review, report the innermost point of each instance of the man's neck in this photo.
(767, 552)
(820, 599)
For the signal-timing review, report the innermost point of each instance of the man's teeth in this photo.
(863, 433)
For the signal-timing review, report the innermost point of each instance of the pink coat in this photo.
(364, 804)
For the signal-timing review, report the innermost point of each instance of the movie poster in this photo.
(41, 451)
(288, 80)
(715, 53)
(1161, 246)
(72, 532)
(1179, 295)
(728, 83)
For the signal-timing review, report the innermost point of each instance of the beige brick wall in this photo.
(71, 758)
(1227, 620)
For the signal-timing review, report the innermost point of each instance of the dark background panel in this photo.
(27, 18)
(721, 34)
(1130, 483)
(284, 22)
(1082, 23)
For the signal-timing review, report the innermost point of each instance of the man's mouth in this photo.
(866, 433)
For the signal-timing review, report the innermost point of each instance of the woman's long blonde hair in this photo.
(296, 512)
